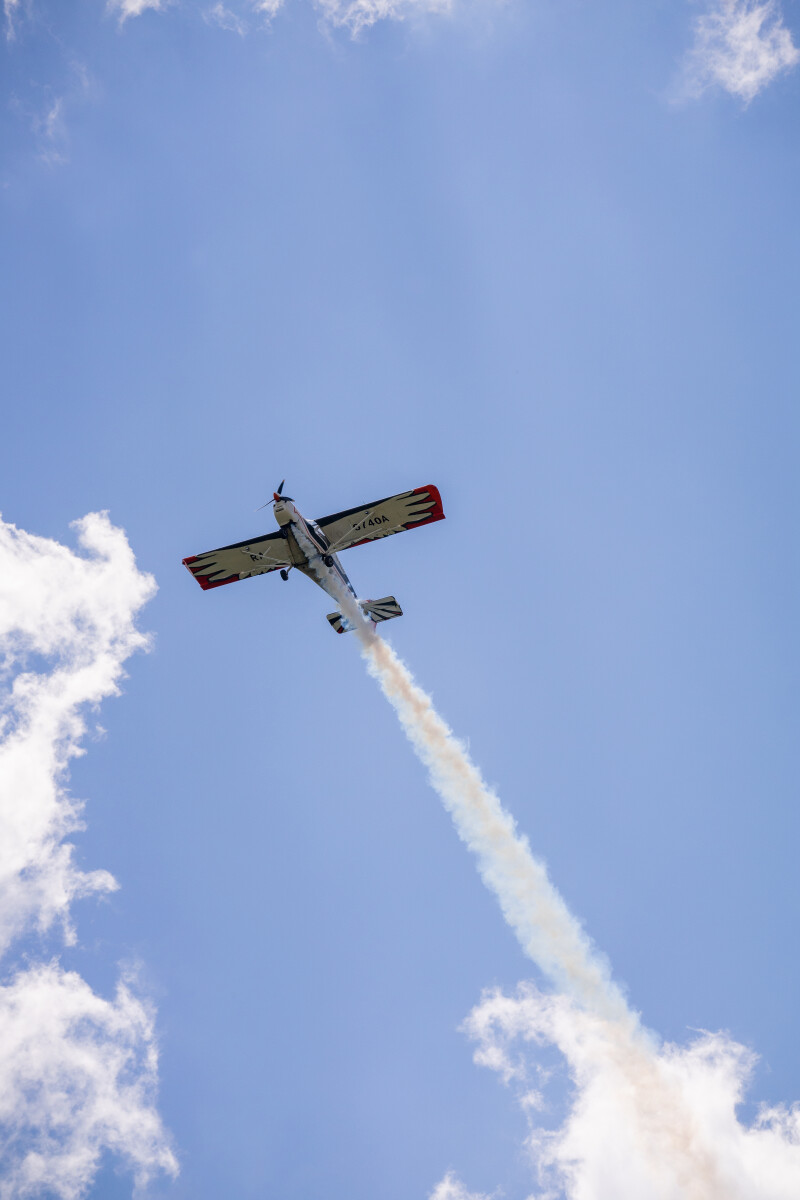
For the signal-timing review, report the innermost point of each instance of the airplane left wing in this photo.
(239, 561)
(407, 510)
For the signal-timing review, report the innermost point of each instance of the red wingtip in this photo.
(203, 580)
(437, 512)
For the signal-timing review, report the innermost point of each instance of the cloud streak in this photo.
(77, 1072)
(10, 11)
(357, 15)
(740, 46)
(125, 9)
(223, 17)
(354, 15)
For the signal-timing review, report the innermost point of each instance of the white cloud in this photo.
(9, 11)
(47, 116)
(267, 8)
(12, 11)
(741, 46)
(225, 19)
(451, 1188)
(133, 8)
(617, 1143)
(77, 612)
(50, 128)
(77, 1078)
(354, 15)
(77, 1072)
(357, 15)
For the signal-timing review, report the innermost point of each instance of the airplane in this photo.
(312, 547)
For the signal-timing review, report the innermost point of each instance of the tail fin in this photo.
(374, 610)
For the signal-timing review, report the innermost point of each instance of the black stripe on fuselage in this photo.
(320, 542)
(314, 535)
(317, 536)
(337, 566)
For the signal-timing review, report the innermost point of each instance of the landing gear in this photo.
(328, 560)
(284, 574)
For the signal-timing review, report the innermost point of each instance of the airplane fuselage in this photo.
(309, 550)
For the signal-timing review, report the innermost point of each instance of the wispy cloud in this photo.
(50, 128)
(612, 1146)
(11, 12)
(225, 19)
(266, 8)
(354, 15)
(357, 15)
(741, 46)
(46, 112)
(77, 1072)
(451, 1188)
(133, 8)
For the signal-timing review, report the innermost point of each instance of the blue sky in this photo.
(544, 256)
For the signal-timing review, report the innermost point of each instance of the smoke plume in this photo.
(647, 1120)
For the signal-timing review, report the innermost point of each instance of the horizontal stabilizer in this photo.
(373, 610)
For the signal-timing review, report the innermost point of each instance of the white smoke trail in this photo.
(649, 1121)
(547, 931)
(78, 1073)
(549, 934)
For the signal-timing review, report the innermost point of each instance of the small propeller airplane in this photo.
(312, 547)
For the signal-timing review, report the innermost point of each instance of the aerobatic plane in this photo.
(312, 547)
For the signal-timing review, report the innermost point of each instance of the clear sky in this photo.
(545, 256)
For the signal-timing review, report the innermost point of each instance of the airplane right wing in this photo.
(407, 510)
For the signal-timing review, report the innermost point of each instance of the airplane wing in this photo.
(239, 561)
(355, 526)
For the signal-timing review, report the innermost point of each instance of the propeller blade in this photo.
(275, 496)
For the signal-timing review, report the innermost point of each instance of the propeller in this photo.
(275, 497)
